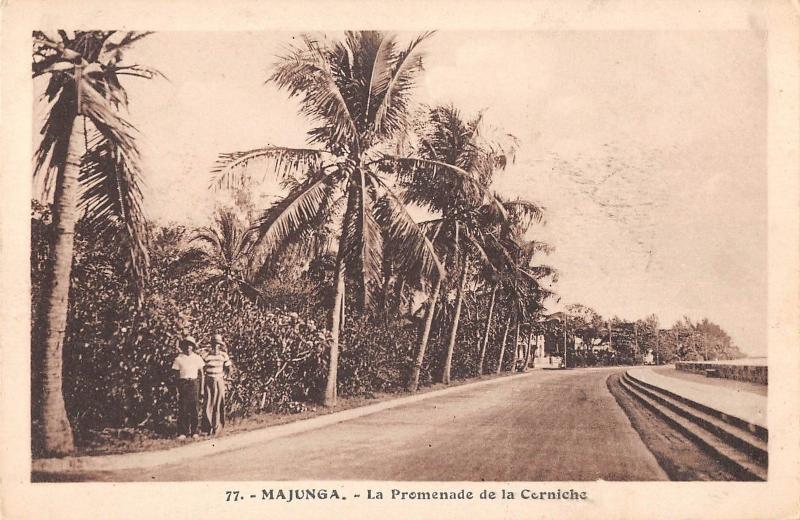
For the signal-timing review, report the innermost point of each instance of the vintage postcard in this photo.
(400, 259)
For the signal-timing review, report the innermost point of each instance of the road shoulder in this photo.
(44, 469)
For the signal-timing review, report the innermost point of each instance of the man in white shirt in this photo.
(188, 367)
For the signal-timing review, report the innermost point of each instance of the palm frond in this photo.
(399, 79)
(379, 76)
(140, 71)
(209, 237)
(530, 248)
(233, 170)
(111, 198)
(306, 72)
(411, 248)
(477, 249)
(523, 212)
(51, 154)
(107, 121)
(285, 220)
(537, 272)
(410, 168)
(127, 40)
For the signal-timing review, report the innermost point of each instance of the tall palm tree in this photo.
(357, 93)
(88, 160)
(509, 253)
(522, 284)
(470, 214)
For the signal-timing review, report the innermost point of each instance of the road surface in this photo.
(548, 426)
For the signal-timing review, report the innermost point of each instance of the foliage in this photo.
(118, 356)
(83, 71)
(356, 92)
(699, 340)
(220, 254)
(267, 284)
(631, 341)
(375, 356)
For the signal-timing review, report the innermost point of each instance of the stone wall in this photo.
(748, 373)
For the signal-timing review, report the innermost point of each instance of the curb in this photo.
(149, 459)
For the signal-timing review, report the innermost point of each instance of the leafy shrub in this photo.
(118, 356)
(375, 357)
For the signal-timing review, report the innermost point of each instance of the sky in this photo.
(647, 149)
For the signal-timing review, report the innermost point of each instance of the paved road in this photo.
(551, 425)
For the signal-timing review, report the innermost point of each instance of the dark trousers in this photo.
(188, 406)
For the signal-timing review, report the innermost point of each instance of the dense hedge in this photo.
(118, 355)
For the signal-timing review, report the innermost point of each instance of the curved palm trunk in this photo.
(413, 382)
(516, 347)
(503, 346)
(448, 360)
(337, 319)
(486, 332)
(55, 430)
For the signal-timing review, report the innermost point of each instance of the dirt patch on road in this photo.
(681, 459)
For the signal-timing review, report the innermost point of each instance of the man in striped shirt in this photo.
(217, 365)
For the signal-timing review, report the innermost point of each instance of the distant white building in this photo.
(596, 345)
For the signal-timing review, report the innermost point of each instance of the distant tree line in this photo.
(594, 340)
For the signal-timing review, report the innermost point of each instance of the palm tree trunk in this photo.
(486, 332)
(503, 346)
(516, 347)
(55, 430)
(337, 319)
(343, 303)
(413, 382)
(448, 360)
(398, 295)
(364, 294)
(528, 350)
(385, 297)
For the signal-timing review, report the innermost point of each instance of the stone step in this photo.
(741, 439)
(737, 461)
(755, 429)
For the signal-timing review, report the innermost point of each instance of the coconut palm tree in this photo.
(471, 216)
(357, 93)
(522, 285)
(221, 252)
(510, 253)
(87, 159)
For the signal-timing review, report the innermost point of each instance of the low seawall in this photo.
(739, 372)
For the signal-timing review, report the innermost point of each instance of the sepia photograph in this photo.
(454, 263)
